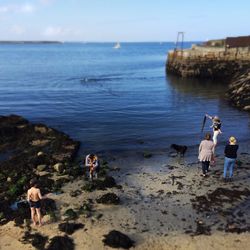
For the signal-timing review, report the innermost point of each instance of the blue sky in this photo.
(123, 20)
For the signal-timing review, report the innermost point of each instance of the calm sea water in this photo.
(112, 99)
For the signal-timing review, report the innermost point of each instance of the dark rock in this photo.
(108, 182)
(24, 147)
(61, 243)
(48, 205)
(70, 228)
(233, 228)
(147, 155)
(100, 184)
(36, 240)
(109, 198)
(75, 193)
(71, 214)
(22, 213)
(202, 229)
(117, 239)
(86, 207)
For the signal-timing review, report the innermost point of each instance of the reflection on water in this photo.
(112, 100)
(198, 87)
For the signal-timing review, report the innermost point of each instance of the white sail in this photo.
(117, 46)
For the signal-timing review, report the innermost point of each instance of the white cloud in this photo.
(47, 1)
(23, 8)
(17, 30)
(60, 32)
(4, 9)
(55, 31)
(28, 8)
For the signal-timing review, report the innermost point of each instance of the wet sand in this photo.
(165, 203)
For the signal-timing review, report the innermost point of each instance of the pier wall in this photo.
(205, 62)
(232, 66)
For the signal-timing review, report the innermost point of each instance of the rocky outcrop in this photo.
(238, 93)
(26, 150)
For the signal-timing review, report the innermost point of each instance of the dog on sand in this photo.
(180, 149)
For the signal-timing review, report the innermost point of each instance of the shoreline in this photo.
(153, 212)
(163, 203)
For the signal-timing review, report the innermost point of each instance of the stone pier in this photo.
(229, 65)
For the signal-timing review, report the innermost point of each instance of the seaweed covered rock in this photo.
(62, 243)
(109, 198)
(70, 214)
(117, 239)
(100, 184)
(26, 150)
(70, 228)
(36, 240)
(48, 205)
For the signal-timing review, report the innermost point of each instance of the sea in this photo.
(113, 99)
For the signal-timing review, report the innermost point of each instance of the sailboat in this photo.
(117, 46)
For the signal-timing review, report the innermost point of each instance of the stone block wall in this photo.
(232, 66)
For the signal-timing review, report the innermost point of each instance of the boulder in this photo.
(117, 239)
(40, 153)
(109, 198)
(70, 228)
(41, 129)
(58, 167)
(41, 168)
(62, 243)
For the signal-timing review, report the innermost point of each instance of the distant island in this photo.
(29, 42)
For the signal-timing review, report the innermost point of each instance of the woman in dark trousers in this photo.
(230, 157)
(206, 153)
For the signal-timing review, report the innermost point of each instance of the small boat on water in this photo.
(117, 46)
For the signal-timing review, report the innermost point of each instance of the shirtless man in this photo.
(34, 198)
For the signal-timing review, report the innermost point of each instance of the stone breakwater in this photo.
(231, 66)
(239, 91)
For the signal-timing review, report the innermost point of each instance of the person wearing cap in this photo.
(230, 157)
(216, 127)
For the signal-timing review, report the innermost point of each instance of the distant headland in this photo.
(29, 42)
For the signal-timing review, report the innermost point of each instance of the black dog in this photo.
(179, 149)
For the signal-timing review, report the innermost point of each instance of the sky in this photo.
(123, 20)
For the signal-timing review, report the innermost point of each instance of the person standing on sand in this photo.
(92, 162)
(216, 127)
(34, 198)
(206, 153)
(230, 157)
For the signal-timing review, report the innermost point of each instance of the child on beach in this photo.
(34, 198)
(92, 162)
(216, 127)
(230, 157)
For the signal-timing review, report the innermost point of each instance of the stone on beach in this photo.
(58, 167)
(109, 198)
(117, 239)
(70, 228)
(62, 243)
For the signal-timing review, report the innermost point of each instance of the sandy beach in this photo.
(165, 203)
